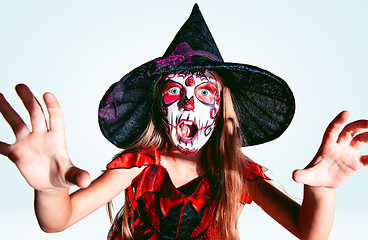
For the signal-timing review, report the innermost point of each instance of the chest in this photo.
(175, 212)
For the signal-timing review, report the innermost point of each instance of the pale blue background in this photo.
(77, 49)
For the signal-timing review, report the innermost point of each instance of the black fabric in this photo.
(189, 188)
(189, 220)
(264, 102)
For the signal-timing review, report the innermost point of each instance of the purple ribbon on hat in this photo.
(181, 53)
(109, 112)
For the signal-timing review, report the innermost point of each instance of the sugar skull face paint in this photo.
(190, 105)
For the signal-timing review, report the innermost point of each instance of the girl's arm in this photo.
(336, 161)
(56, 210)
(311, 220)
(40, 155)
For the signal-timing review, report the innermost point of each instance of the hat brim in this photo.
(264, 102)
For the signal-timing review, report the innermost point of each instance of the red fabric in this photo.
(154, 199)
(133, 159)
(252, 171)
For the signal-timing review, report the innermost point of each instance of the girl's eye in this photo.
(205, 92)
(173, 91)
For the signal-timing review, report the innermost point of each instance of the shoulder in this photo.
(253, 174)
(252, 170)
(130, 159)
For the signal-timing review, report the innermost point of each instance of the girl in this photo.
(183, 170)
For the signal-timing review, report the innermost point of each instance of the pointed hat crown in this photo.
(195, 32)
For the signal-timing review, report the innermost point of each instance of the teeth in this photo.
(188, 123)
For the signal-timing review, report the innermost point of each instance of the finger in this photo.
(302, 176)
(56, 120)
(33, 107)
(334, 128)
(350, 130)
(359, 141)
(364, 160)
(18, 126)
(4, 149)
(309, 175)
(79, 177)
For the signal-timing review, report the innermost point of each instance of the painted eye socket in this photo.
(171, 93)
(206, 93)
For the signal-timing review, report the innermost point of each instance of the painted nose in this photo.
(188, 104)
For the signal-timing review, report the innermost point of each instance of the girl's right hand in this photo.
(40, 155)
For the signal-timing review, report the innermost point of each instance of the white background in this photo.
(77, 49)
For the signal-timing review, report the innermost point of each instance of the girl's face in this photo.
(190, 104)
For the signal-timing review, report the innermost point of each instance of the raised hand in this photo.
(40, 155)
(338, 156)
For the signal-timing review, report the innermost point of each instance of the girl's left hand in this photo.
(338, 156)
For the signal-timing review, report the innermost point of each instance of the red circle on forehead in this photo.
(189, 82)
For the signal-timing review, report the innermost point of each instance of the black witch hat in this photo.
(264, 102)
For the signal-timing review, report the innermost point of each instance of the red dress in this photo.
(162, 211)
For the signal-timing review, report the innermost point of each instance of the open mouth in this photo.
(187, 130)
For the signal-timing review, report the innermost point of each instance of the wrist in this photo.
(54, 192)
(319, 191)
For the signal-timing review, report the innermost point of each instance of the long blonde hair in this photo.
(223, 163)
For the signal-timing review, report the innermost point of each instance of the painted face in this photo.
(190, 105)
